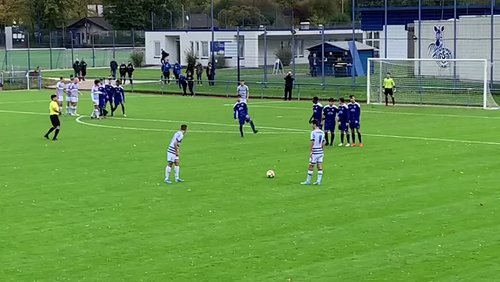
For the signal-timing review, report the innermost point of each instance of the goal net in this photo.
(451, 82)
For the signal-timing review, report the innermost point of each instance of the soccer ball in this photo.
(270, 174)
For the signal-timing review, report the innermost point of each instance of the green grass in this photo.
(93, 207)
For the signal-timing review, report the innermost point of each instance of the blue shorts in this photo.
(117, 99)
(343, 126)
(330, 126)
(354, 124)
(110, 98)
(244, 120)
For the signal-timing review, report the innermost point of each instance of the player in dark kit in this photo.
(102, 100)
(343, 118)
(317, 111)
(54, 112)
(354, 120)
(130, 71)
(241, 113)
(329, 115)
(119, 98)
(110, 93)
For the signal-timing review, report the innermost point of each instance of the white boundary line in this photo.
(22, 102)
(78, 120)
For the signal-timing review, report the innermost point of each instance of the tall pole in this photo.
(29, 51)
(50, 48)
(152, 21)
(353, 41)
(93, 50)
(213, 38)
(265, 56)
(72, 49)
(293, 42)
(385, 28)
(238, 56)
(492, 34)
(419, 35)
(323, 56)
(454, 43)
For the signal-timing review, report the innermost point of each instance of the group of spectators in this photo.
(80, 69)
(123, 69)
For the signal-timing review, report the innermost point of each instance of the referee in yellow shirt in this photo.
(54, 112)
(389, 88)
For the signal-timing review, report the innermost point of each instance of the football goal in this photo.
(450, 82)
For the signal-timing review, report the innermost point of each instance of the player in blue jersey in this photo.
(329, 115)
(316, 154)
(317, 111)
(119, 98)
(343, 118)
(102, 99)
(241, 113)
(354, 120)
(110, 93)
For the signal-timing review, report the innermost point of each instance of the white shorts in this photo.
(60, 99)
(172, 158)
(73, 99)
(316, 159)
(96, 103)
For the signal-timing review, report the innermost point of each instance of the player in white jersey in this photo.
(316, 155)
(173, 155)
(243, 91)
(74, 97)
(69, 86)
(95, 92)
(60, 87)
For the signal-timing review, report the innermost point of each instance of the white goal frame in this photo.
(372, 61)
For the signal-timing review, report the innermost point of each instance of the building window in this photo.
(191, 44)
(299, 48)
(373, 39)
(204, 49)
(197, 53)
(157, 49)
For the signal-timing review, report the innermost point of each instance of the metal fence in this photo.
(59, 49)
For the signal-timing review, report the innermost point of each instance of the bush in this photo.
(190, 57)
(285, 56)
(137, 58)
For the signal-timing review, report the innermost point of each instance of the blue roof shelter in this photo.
(339, 58)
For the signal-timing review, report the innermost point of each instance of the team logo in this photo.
(437, 49)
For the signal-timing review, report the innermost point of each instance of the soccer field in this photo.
(419, 202)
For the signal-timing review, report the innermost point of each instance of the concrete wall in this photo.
(397, 40)
(473, 42)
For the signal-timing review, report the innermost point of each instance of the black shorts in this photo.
(388, 91)
(54, 119)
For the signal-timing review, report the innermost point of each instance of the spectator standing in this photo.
(183, 83)
(164, 55)
(165, 68)
(177, 71)
(210, 74)
(123, 72)
(288, 86)
(190, 81)
(199, 73)
(130, 71)
(83, 69)
(113, 65)
(76, 68)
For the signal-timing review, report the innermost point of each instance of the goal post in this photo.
(446, 82)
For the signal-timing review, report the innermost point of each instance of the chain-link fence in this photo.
(61, 48)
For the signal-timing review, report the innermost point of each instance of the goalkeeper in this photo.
(389, 88)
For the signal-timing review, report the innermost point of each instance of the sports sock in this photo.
(359, 137)
(320, 176)
(241, 130)
(176, 171)
(55, 134)
(123, 109)
(168, 169)
(96, 113)
(50, 131)
(342, 137)
(326, 138)
(252, 125)
(309, 175)
(332, 138)
(353, 135)
(347, 136)
(386, 100)
(393, 102)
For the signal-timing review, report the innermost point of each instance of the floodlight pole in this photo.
(213, 39)
(322, 56)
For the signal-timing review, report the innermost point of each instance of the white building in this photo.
(252, 44)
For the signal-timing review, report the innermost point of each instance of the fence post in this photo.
(72, 49)
(50, 48)
(133, 39)
(29, 52)
(93, 50)
(113, 37)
